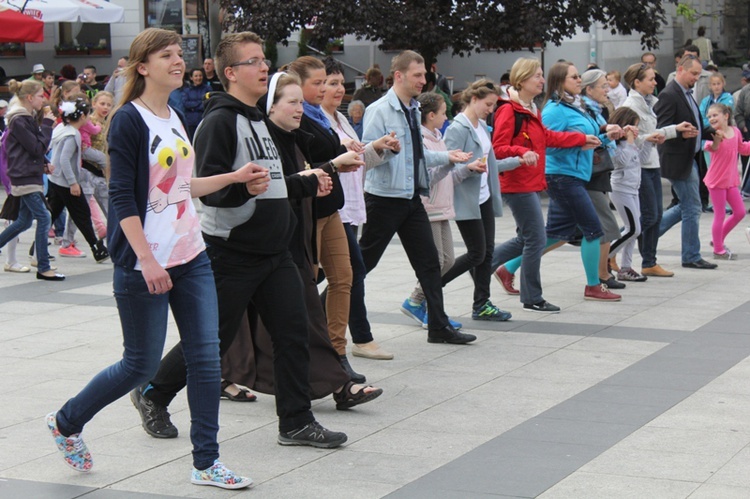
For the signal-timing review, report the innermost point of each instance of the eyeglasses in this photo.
(575, 77)
(489, 85)
(252, 62)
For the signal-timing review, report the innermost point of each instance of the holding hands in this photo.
(687, 129)
(387, 142)
(255, 178)
(656, 138)
(529, 158)
(348, 162)
(353, 145)
(592, 142)
(614, 132)
(718, 137)
(325, 183)
(479, 166)
(458, 156)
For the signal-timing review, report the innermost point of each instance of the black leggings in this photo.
(479, 236)
(60, 197)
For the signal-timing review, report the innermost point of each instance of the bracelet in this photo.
(333, 167)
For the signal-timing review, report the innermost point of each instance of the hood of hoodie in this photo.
(60, 132)
(221, 100)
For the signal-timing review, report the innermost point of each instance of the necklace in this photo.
(527, 105)
(148, 107)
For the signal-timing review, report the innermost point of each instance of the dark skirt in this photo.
(249, 361)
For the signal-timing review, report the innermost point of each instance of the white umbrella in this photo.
(55, 11)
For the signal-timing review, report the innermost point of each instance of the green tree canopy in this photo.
(430, 27)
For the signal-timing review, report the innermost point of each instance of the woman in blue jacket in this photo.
(477, 194)
(567, 172)
(192, 98)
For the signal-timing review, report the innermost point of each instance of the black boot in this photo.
(353, 375)
(100, 251)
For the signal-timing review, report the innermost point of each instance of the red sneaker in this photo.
(71, 252)
(600, 292)
(506, 279)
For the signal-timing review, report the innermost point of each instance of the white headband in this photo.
(272, 90)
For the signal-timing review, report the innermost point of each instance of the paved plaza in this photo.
(645, 398)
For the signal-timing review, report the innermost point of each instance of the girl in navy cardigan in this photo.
(160, 260)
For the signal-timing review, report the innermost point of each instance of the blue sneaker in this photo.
(416, 312)
(219, 476)
(456, 325)
(489, 312)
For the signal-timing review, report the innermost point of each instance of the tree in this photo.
(430, 27)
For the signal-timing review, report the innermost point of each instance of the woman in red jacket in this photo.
(518, 131)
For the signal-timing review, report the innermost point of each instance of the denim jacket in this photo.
(393, 177)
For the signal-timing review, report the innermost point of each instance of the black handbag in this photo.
(602, 161)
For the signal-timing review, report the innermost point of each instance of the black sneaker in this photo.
(100, 251)
(353, 375)
(612, 283)
(154, 417)
(314, 435)
(543, 306)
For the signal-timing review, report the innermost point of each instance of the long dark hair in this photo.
(556, 77)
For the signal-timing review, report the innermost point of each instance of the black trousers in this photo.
(479, 236)
(408, 219)
(78, 209)
(273, 286)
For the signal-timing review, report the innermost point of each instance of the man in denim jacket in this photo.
(392, 190)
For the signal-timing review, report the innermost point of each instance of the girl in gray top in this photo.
(64, 186)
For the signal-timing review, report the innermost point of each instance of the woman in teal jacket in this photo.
(567, 172)
(477, 195)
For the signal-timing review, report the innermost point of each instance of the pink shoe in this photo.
(71, 252)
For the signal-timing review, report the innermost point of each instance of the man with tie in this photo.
(678, 158)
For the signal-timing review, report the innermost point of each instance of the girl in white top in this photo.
(160, 260)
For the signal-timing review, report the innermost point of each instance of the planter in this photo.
(100, 52)
(70, 52)
(12, 53)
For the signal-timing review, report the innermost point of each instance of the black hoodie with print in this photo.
(231, 135)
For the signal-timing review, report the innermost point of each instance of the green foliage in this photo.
(431, 27)
(687, 12)
(271, 52)
(302, 49)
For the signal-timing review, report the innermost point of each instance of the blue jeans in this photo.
(530, 241)
(32, 207)
(689, 212)
(144, 327)
(569, 207)
(650, 196)
(359, 326)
